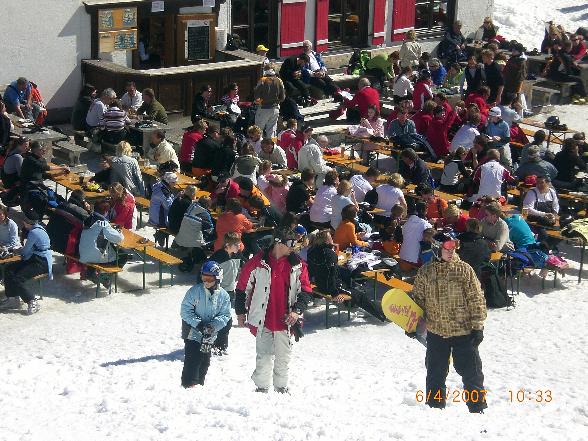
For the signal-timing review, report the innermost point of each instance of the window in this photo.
(346, 22)
(251, 22)
(433, 15)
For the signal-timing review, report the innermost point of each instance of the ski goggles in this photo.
(290, 243)
(450, 245)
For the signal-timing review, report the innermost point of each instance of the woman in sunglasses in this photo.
(448, 291)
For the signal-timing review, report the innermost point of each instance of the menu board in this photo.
(117, 40)
(114, 19)
(197, 44)
(117, 29)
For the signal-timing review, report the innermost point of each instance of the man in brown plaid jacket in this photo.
(455, 309)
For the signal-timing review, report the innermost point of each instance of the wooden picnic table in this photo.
(556, 234)
(146, 131)
(555, 135)
(71, 182)
(182, 182)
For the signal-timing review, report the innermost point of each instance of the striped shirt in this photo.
(114, 119)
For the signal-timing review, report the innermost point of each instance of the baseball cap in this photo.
(261, 47)
(495, 111)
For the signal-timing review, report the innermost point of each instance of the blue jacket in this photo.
(438, 76)
(161, 199)
(201, 305)
(89, 246)
(38, 243)
(307, 73)
(498, 129)
(520, 233)
(395, 129)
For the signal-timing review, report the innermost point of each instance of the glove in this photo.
(410, 334)
(477, 337)
(200, 327)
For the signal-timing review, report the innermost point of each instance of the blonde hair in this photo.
(231, 238)
(118, 190)
(254, 130)
(123, 148)
(321, 237)
(411, 35)
(344, 187)
(451, 211)
(396, 180)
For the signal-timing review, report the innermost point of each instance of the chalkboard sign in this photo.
(197, 40)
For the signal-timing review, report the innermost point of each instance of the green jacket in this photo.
(154, 111)
(382, 63)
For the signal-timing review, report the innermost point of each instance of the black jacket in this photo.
(297, 197)
(289, 66)
(224, 158)
(199, 108)
(33, 168)
(79, 113)
(4, 130)
(566, 165)
(419, 174)
(61, 223)
(473, 81)
(474, 250)
(494, 79)
(204, 152)
(176, 213)
(323, 269)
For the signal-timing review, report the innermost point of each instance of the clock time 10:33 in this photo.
(537, 396)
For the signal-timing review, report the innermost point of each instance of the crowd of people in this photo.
(270, 217)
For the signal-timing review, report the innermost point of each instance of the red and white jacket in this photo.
(253, 288)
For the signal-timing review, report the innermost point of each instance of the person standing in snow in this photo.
(449, 292)
(206, 309)
(272, 292)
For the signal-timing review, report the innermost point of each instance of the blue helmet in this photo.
(211, 268)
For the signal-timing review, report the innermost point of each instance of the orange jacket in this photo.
(436, 207)
(345, 236)
(229, 222)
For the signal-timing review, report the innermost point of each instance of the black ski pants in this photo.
(468, 364)
(195, 364)
(17, 274)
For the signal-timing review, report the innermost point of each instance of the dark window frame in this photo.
(434, 31)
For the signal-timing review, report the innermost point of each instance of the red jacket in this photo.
(422, 121)
(189, 140)
(478, 100)
(121, 213)
(437, 134)
(578, 51)
(363, 98)
(422, 92)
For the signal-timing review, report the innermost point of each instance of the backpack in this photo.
(357, 63)
(494, 286)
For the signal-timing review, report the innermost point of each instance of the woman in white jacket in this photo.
(411, 51)
(311, 157)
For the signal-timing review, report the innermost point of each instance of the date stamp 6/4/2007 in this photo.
(453, 395)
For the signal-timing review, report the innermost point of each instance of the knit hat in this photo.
(286, 236)
(495, 111)
(170, 178)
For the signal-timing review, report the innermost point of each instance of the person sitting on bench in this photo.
(291, 73)
(36, 259)
(97, 239)
(329, 277)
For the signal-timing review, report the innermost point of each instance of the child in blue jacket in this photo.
(206, 309)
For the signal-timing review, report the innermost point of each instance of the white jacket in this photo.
(410, 52)
(310, 156)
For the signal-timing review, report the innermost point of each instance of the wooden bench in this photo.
(72, 151)
(531, 133)
(378, 277)
(111, 271)
(331, 299)
(142, 204)
(166, 259)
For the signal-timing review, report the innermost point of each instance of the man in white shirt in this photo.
(98, 107)
(322, 208)
(311, 157)
(363, 183)
(412, 233)
(542, 200)
(490, 176)
(132, 99)
(318, 71)
(466, 134)
(272, 153)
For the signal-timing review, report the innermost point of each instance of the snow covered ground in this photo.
(109, 369)
(524, 21)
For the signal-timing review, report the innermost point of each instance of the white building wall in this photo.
(472, 13)
(45, 46)
(310, 20)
